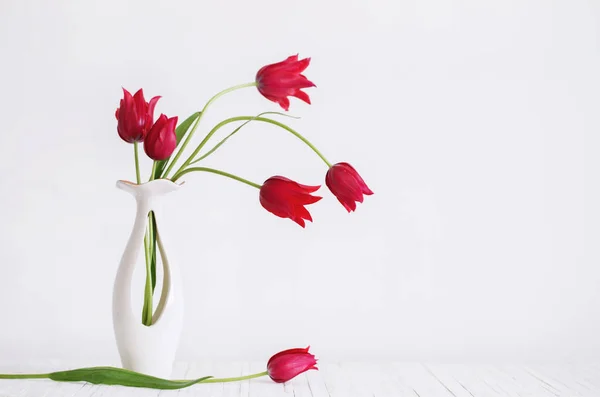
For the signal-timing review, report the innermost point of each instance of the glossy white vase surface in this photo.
(147, 349)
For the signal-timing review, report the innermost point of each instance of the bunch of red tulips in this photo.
(279, 195)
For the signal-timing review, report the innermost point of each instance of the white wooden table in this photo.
(343, 380)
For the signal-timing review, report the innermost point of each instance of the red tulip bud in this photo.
(279, 80)
(345, 183)
(286, 198)
(161, 140)
(135, 116)
(288, 364)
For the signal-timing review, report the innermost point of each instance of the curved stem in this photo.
(191, 134)
(218, 145)
(239, 378)
(137, 163)
(297, 135)
(147, 309)
(218, 172)
(264, 120)
(148, 305)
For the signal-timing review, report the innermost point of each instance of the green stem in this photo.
(218, 172)
(148, 306)
(240, 118)
(210, 380)
(180, 132)
(150, 255)
(137, 163)
(153, 232)
(218, 145)
(153, 173)
(191, 134)
(24, 376)
(147, 309)
(239, 378)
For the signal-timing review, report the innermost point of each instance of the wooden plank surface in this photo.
(347, 379)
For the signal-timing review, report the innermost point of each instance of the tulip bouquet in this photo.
(164, 142)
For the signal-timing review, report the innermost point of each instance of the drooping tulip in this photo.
(135, 116)
(347, 185)
(161, 140)
(288, 364)
(279, 80)
(286, 198)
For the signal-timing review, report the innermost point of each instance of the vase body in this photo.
(147, 349)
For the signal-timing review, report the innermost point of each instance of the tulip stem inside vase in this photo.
(149, 248)
(150, 259)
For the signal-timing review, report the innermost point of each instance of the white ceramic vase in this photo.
(147, 349)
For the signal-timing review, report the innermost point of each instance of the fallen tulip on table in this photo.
(282, 367)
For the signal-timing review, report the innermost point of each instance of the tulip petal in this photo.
(349, 205)
(284, 103)
(303, 96)
(308, 199)
(150, 112)
(363, 186)
(303, 213)
(283, 65)
(301, 65)
(304, 188)
(299, 221)
(310, 189)
(296, 350)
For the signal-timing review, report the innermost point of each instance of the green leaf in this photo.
(218, 145)
(122, 377)
(180, 132)
(185, 126)
(152, 226)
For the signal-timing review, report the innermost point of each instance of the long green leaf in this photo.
(180, 132)
(218, 145)
(122, 377)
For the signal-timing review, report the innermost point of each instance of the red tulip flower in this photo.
(279, 80)
(135, 116)
(286, 198)
(347, 185)
(288, 364)
(161, 140)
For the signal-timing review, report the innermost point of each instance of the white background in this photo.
(475, 122)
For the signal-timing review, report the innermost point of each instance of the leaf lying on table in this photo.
(112, 376)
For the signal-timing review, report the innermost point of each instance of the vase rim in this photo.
(154, 187)
(159, 180)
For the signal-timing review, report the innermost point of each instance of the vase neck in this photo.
(149, 190)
